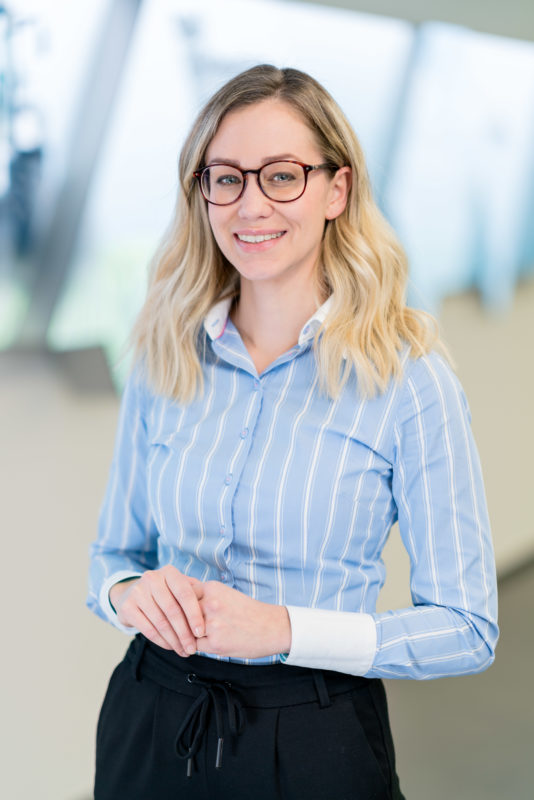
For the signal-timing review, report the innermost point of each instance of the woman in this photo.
(286, 409)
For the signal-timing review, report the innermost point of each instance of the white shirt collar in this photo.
(217, 317)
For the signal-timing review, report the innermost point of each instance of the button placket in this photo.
(230, 480)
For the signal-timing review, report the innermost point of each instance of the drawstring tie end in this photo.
(194, 725)
(218, 759)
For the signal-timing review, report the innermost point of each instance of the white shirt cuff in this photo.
(104, 601)
(342, 641)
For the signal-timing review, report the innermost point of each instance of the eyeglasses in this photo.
(282, 181)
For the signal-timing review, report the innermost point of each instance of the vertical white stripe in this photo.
(403, 501)
(384, 422)
(126, 512)
(163, 469)
(334, 499)
(180, 473)
(281, 492)
(310, 479)
(351, 531)
(156, 512)
(231, 468)
(202, 484)
(451, 485)
(474, 493)
(105, 536)
(429, 527)
(256, 481)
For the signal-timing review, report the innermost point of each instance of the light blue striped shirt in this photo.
(267, 484)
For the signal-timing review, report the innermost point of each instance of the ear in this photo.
(339, 192)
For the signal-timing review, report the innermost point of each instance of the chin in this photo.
(253, 276)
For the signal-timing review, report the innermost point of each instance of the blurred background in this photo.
(95, 100)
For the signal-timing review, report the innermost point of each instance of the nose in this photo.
(253, 203)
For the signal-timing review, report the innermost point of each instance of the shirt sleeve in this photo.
(451, 628)
(127, 535)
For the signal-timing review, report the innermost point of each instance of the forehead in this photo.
(269, 129)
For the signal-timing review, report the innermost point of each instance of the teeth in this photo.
(256, 239)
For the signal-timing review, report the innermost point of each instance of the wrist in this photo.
(283, 631)
(117, 590)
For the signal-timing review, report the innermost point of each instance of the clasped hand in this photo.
(181, 613)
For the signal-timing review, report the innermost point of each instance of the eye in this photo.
(281, 177)
(281, 174)
(228, 180)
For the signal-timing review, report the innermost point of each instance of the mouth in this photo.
(258, 238)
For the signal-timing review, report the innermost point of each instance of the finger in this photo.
(144, 626)
(168, 617)
(140, 608)
(185, 594)
(197, 586)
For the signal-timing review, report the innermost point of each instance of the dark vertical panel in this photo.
(59, 240)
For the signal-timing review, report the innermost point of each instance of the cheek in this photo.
(313, 214)
(217, 226)
(212, 220)
(315, 225)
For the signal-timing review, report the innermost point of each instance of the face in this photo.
(287, 235)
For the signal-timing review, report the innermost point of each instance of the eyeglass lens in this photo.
(282, 180)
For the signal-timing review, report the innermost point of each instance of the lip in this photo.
(257, 247)
(257, 231)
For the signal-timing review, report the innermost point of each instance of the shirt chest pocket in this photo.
(186, 482)
(176, 464)
(184, 452)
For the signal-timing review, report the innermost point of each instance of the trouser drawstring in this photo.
(194, 725)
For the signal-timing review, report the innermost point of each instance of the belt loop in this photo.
(140, 644)
(320, 687)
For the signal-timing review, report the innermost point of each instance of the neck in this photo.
(269, 318)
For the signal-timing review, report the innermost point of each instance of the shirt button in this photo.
(222, 530)
(256, 384)
(224, 577)
(228, 479)
(244, 433)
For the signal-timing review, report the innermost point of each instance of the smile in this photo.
(265, 237)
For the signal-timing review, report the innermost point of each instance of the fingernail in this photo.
(191, 649)
(198, 632)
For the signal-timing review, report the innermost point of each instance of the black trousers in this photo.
(176, 728)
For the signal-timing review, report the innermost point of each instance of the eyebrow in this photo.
(232, 163)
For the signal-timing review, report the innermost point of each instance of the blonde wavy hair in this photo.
(362, 265)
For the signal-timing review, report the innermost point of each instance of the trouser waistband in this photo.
(260, 686)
